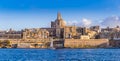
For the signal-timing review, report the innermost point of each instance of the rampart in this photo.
(86, 43)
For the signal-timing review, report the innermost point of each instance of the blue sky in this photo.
(20, 14)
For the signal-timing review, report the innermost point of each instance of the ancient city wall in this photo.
(86, 43)
(28, 43)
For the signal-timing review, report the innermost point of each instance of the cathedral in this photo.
(59, 22)
(61, 29)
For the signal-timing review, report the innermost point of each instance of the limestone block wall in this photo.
(28, 43)
(86, 43)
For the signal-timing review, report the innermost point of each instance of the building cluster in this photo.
(59, 30)
(110, 33)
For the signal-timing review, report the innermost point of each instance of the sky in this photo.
(20, 14)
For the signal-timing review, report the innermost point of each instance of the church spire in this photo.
(59, 15)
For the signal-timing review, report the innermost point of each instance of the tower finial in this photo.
(59, 15)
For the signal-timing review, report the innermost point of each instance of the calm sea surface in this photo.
(60, 55)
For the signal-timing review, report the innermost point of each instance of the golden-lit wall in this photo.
(69, 31)
(35, 34)
(84, 43)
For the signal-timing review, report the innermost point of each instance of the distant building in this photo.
(62, 35)
(95, 28)
(110, 33)
(70, 32)
(11, 34)
(35, 34)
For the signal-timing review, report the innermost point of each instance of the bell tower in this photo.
(59, 22)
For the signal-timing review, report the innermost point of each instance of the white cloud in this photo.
(72, 22)
(83, 22)
(86, 22)
(111, 21)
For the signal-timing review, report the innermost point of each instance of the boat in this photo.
(52, 45)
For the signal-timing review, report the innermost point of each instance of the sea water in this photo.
(60, 55)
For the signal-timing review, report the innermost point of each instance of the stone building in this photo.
(70, 32)
(59, 22)
(10, 34)
(81, 30)
(35, 34)
(57, 28)
(110, 33)
(95, 28)
(59, 25)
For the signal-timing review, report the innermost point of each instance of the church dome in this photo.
(59, 21)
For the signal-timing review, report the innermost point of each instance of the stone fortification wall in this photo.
(86, 43)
